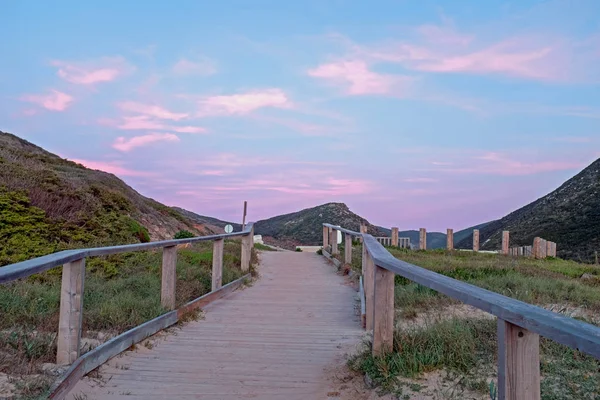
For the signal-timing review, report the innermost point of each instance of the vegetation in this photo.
(183, 235)
(262, 247)
(430, 336)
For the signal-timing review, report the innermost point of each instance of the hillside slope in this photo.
(305, 227)
(210, 222)
(569, 216)
(48, 204)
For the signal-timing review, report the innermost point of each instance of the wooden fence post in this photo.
(347, 248)
(369, 280)
(169, 277)
(217, 263)
(383, 311)
(422, 239)
(505, 242)
(363, 229)
(325, 237)
(536, 249)
(334, 242)
(247, 244)
(450, 239)
(71, 309)
(543, 248)
(518, 363)
(475, 240)
(549, 249)
(395, 237)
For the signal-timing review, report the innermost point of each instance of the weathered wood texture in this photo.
(71, 312)
(347, 248)
(325, 237)
(270, 341)
(505, 242)
(247, 244)
(518, 363)
(369, 281)
(217, 264)
(450, 239)
(476, 240)
(169, 277)
(537, 247)
(422, 239)
(101, 354)
(383, 318)
(334, 242)
(363, 309)
(395, 237)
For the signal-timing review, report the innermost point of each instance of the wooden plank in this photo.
(37, 265)
(549, 249)
(395, 237)
(325, 237)
(518, 363)
(212, 296)
(422, 239)
(217, 264)
(383, 312)
(476, 240)
(450, 239)
(348, 248)
(369, 281)
(245, 212)
(537, 247)
(564, 330)
(71, 312)
(169, 277)
(505, 241)
(543, 248)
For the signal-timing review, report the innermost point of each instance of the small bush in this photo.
(298, 249)
(183, 235)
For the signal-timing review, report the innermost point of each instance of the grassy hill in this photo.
(49, 204)
(214, 223)
(305, 227)
(569, 216)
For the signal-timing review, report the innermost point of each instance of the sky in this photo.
(434, 114)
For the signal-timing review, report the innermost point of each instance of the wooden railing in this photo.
(72, 287)
(519, 324)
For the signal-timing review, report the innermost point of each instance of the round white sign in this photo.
(228, 228)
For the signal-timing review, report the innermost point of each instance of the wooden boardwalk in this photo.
(270, 341)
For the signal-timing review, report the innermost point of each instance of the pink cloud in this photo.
(203, 66)
(88, 73)
(144, 122)
(151, 110)
(128, 144)
(112, 168)
(356, 77)
(54, 101)
(421, 180)
(244, 103)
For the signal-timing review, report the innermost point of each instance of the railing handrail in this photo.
(33, 266)
(567, 331)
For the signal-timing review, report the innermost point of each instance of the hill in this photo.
(49, 204)
(305, 227)
(569, 216)
(210, 222)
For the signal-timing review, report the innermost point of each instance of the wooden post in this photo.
(395, 237)
(325, 238)
(71, 311)
(244, 217)
(476, 240)
(383, 310)
(536, 249)
(369, 280)
(247, 244)
(518, 363)
(334, 242)
(505, 241)
(450, 239)
(217, 264)
(543, 248)
(348, 248)
(422, 239)
(549, 249)
(363, 228)
(169, 277)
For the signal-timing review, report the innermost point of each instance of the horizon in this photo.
(424, 115)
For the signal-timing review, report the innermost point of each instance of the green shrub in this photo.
(183, 234)
(139, 231)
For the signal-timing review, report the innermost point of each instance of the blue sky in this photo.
(428, 114)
